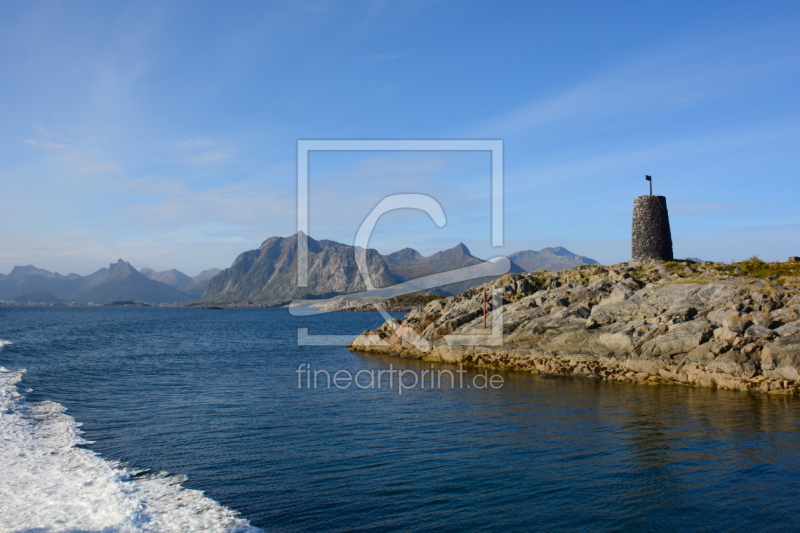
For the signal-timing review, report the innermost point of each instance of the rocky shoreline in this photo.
(397, 304)
(706, 325)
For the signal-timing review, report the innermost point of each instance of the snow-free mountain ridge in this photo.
(266, 276)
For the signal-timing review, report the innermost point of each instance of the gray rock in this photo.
(781, 358)
(759, 332)
(682, 338)
(762, 319)
(736, 324)
(788, 329)
(717, 316)
(786, 314)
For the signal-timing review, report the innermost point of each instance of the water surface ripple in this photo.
(213, 395)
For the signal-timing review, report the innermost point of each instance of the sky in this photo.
(166, 133)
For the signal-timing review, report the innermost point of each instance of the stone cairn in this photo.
(651, 238)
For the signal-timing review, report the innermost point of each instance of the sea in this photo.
(179, 419)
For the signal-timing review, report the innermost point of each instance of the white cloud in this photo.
(200, 150)
(192, 144)
(675, 75)
(79, 166)
(243, 203)
(574, 167)
(47, 145)
(211, 157)
(44, 132)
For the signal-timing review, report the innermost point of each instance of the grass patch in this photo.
(685, 281)
(759, 269)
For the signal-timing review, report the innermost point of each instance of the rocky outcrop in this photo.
(681, 323)
(398, 304)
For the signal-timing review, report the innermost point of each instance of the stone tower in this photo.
(651, 238)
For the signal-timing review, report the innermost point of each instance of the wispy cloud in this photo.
(644, 156)
(200, 150)
(193, 144)
(44, 132)
(70, 156)
(148, 186)
(242, 203)
(213, 156)
(672, 76)
(395, 168)
(68, 165)
(47, 145)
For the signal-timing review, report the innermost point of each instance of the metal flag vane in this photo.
(650, 179)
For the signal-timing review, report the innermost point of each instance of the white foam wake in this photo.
(48, 483)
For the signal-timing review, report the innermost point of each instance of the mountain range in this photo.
(267, 275)
(118, 281)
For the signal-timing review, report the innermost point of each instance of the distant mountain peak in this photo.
(406, 254)
(461, 247)
(118, 281)
(121, 268)
(173, 278)
(269, 273)
(207, 274)
(558, 250)
(29, 270)
(553, 258)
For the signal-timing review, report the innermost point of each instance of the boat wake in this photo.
(50, 483)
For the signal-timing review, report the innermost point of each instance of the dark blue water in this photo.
(213, 395)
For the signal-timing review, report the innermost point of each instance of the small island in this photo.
(732, 326)
(125, 303)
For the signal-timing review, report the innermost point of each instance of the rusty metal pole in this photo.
(484, 309)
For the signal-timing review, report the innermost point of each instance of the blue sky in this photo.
(165, 133)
